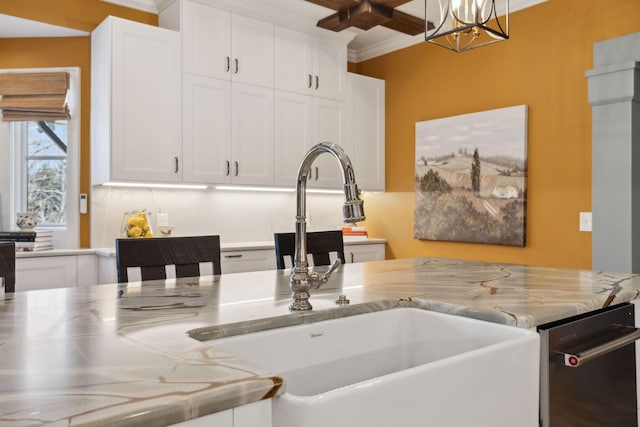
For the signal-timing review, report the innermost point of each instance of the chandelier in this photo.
(466, 24)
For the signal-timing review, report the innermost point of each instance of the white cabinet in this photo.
(358, 126)
(247, 260)
(250, 415)
(302, 121)
(47, 272)
(366, 118)
(330, 125)
(358, 252)
(227, 132)
(206, 129)
(222, 45)
(310, 65)
(135, 103)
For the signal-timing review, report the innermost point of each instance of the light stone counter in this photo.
(108, 355)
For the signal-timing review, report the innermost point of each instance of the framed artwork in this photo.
(471, 176)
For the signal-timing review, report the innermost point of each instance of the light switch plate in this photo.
(83, 203)
(585, 221)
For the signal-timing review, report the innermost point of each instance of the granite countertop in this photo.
(253, 246)
(124, 355)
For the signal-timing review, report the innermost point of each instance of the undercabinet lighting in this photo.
(144, 185)
(274, 189)
(264, 189)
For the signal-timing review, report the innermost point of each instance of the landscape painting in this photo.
(470, 177)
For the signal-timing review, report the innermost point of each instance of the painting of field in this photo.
(470, 177)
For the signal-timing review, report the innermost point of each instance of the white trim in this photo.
(144, 5)
(70, 237)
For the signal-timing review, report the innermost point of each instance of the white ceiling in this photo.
(363, 44)
(11, 27)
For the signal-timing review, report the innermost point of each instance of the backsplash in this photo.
(237, 216)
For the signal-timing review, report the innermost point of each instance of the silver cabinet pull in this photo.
(317, 173)
(317, 82)
(228, 171)
(310, 81)
(233, 256)
(176, 169)
(236, 62)
(236, 164)
(228, 65)
(617, 336)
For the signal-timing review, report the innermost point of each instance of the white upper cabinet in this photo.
(135, 103)
(310, 65)
(227, 132)
(222, 45)
(206, 121)
(302, 121)
(366, 117)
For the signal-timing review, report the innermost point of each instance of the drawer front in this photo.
(242, 261)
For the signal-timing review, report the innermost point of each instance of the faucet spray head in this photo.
(353, 208)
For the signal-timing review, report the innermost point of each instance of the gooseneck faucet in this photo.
(301, 281)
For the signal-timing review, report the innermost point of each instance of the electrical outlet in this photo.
(585, 221)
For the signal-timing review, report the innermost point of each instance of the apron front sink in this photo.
(403, 366)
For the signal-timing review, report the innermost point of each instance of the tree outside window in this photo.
(46, 171)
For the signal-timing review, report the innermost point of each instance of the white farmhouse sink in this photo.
(399, 367)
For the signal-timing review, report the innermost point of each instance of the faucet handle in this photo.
(333, 267)
(316, 280)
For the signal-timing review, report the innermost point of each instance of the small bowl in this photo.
(26, 221)
(166, 230)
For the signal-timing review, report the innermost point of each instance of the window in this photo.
(44, 169)
(42, 147)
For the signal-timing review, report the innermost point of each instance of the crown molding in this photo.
(144, 5)
(281, 14)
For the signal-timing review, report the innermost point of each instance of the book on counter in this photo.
(354, 233)
(34, 240)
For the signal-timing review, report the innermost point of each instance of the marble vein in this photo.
(144, 353)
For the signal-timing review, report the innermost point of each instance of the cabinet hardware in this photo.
(228, 64)
(228, 168)
(317, 173)
(236, 164)
(317, 82)
(352, 261)
(176, 169)
(236, 62)
(233, 256)
(310, 81)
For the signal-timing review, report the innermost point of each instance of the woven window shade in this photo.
(34, 96)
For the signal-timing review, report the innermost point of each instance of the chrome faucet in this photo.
(301, 280)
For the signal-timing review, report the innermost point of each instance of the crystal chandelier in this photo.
(466, 24)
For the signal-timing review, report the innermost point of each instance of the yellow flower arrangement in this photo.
(136, 224)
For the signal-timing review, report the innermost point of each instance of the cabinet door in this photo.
(310, 65)
(366, 118)
(45, 273)
(251, 135)
(293, 134)
(241, 261)
(363, 253)
(330, 65)
(252, 51)
(329, 126)
(145, 103)
(206, 119)
(206, 46)
(293, 61)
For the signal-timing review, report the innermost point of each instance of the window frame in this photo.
(65, 237)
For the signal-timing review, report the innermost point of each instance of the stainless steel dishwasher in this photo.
(588, 370)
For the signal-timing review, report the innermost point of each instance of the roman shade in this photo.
(34, 96)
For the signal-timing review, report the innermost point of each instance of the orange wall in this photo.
(82, 15)
(542, 65)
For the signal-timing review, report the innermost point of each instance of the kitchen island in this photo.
(126, 355)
